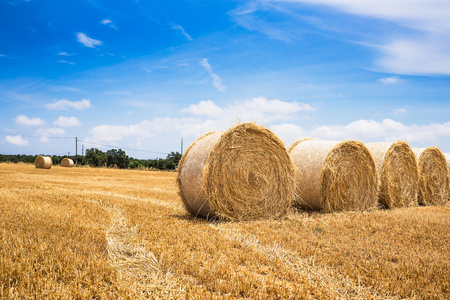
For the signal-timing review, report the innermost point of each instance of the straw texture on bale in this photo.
(433, 176)
(67, 162)
(398, 173)
(244, 173)
(43, 162)
(333, 175)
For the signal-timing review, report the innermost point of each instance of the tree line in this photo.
(114, 158)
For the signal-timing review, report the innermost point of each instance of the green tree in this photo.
(95, 157)
(117, 158)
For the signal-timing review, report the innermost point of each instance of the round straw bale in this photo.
(43, 162)
(433, 176)
(334, 175)
(67, 162)
(398, 175)
(244, 173)
(447, 157)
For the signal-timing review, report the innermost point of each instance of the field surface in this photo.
(86, 233)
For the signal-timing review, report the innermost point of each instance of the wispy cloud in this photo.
(87, 41)
(17, 140)
(109, 23)
(65, 104)
(28, 122)
(63, 53)
(425, 50)
(389, 80)
(217, 81)
(66, 62)
(67, 122)
(180, 29)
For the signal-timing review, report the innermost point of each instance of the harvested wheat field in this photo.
(86, 233)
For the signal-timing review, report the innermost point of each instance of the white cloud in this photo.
(65, 104)
(109, 22)
(63, 53)
(367, 131)
(45, 133)
(206, 116)
(288, 132)
(67, 122)
(257, 109)
(387, 130)
(204, 108)
(182, 31)
(389, 80)
(426, 49)
(25, 121)
(145, 129)
(87, 41)
(421, 56)
(217, 81)
(16, 140)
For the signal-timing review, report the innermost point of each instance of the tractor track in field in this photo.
(341, 287)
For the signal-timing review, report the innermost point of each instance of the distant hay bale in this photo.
(244, 173)
(67, 162)
(43, 162)
(433, 176)
(398, 174)
(333, 175)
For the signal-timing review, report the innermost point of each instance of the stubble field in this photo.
(88, 233)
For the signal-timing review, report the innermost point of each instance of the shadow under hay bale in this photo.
(433, 176)
(67, 162)
(43, 162)
(244, 173)
(334, 176)
(397, 173)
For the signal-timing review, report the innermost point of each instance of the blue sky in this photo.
(143, 75)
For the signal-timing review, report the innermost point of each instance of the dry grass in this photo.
(84, 233)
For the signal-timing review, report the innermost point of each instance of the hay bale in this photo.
(398, 175)
(433, 176)
(43, 162)
(244, 173)
(67, 162)
(447, 157)
(333, 175)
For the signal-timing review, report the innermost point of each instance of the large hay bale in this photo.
(67, 162)
(398, 175)
(244, 173)
(333, 175)
(43, 162)
(433, 176)
(447, 157)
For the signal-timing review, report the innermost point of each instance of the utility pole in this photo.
(181, 146)
(68, 154)
(82, 149)
(76, 151)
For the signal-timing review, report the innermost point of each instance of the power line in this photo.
(82, 141)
